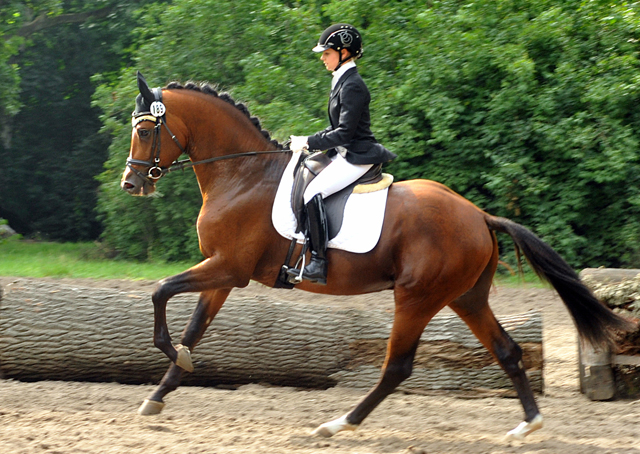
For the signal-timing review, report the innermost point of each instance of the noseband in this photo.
(157, 114)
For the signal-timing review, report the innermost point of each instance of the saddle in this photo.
(305, 168)
(309, 167)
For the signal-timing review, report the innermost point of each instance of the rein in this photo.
(186, 163)
(155, 171)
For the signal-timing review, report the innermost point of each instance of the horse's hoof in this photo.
(150, 407)
(184, 358)
(329, 429)
(524, 429)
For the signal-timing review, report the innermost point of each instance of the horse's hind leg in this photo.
(208, 306)
(409, 322)
(473, 308)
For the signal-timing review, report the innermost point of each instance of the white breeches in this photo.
(336, 176)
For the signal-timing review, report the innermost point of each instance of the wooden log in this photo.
(605, 276)
(61, 332)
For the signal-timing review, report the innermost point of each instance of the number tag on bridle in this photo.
(157, 109)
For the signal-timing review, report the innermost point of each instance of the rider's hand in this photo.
(298, 143)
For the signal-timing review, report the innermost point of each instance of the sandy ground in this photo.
(68, 417)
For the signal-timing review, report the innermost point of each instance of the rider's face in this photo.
(330, 58)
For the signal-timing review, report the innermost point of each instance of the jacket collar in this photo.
(342, 79)
(337, 75)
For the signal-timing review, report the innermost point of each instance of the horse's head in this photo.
(153, 148)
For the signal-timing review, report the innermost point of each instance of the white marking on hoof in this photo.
(150, 407)
(184, 358)
(329, 429)
(525, 428)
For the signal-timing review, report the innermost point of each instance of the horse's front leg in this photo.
(161, 338)
(208, 306)
(202, 277)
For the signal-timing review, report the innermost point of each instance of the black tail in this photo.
(595, 322)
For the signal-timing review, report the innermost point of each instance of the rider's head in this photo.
(339, 44)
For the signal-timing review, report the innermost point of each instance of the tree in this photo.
(527, 108)
(51, 138)
(232, 44)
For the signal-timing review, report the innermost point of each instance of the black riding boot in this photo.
(316, 270)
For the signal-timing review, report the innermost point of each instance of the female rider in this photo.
(349, 140)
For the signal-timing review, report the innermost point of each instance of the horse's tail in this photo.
(595, 322)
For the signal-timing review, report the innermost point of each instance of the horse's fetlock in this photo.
(161, 343)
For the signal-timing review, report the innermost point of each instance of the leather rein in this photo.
(155, 171)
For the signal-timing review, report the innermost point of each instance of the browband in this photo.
(140, 118)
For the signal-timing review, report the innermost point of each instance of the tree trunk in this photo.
(60, 332)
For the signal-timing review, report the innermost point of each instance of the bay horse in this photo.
(436, 248)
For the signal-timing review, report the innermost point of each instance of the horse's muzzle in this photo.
(135, 185)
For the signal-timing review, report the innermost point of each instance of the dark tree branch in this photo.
(43, 22)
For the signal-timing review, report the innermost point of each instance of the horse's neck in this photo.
(259, 174)
(235, 176)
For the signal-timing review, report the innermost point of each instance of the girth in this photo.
(306, 170)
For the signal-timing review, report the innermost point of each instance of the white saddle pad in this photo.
(363, 217)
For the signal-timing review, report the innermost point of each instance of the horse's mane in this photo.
(208, 89)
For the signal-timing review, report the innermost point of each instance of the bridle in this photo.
(157, 115)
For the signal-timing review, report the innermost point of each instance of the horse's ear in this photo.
(145, 91)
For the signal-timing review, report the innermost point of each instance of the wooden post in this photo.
(596, 375)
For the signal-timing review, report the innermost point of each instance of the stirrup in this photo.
(295, 274)
(316, 271)
(298, 274)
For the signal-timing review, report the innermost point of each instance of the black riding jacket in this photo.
(350, 124)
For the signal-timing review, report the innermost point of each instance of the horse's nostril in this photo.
(128, 186)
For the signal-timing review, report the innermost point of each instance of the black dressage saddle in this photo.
(309, 166)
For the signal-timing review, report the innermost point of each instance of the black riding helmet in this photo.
(338, 37)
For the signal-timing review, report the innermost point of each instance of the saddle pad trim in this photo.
(386, 181)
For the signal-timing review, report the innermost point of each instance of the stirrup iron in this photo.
(291, 275)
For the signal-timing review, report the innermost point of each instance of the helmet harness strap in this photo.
(341, 60)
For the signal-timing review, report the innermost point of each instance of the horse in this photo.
(435, 249)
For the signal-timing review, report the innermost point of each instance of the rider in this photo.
(349, 140)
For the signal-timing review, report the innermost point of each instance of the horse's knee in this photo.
(161, 294)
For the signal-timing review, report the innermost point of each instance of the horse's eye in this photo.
(144, 132)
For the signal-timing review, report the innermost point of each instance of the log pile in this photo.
(60, 332)
(607, 374)
(618, 289)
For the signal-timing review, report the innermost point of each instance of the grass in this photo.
(86, 260)
(76, 260)
(529, 279)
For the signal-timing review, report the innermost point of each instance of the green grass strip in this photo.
(75, 260)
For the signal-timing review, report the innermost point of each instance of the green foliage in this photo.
(51, 145)
(228, 43)
(528, 108)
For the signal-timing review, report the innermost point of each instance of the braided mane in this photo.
(208, 89)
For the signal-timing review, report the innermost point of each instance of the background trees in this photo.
(50, 143)
(527, 108)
